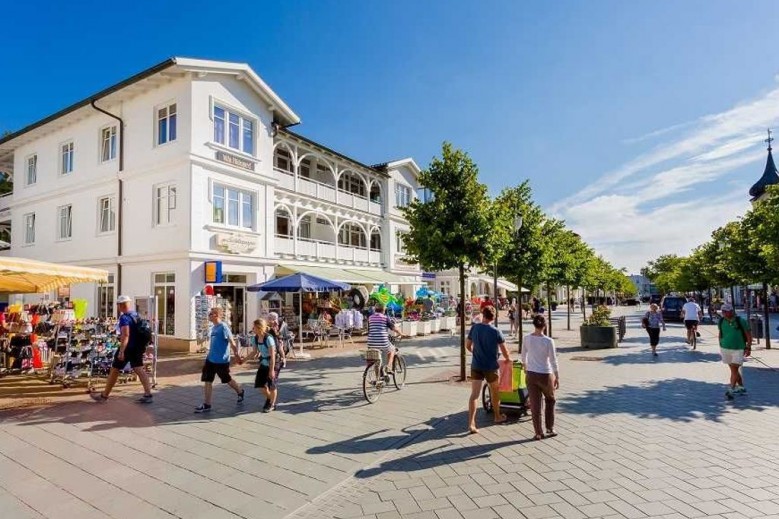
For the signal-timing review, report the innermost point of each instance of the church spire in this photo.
(770, 175)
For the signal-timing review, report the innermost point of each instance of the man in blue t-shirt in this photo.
(485, 341)
(130, 351)
(218, 360)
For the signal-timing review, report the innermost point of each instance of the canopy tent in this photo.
(25, 276)
(352, 275)
(299, 283)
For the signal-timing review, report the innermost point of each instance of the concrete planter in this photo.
(408, 328)
(424, 328)
(598, 337)
(435, 326)
(449, 323)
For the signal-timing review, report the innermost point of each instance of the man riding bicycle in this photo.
(379, 326)
(692, 314)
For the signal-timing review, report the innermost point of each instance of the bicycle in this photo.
(374, 379)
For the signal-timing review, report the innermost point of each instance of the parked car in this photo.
(631, 301)
(655, 298)
(672, 308)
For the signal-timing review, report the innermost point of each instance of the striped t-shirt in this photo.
(378, 331)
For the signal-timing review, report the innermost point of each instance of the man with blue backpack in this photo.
(134, 336)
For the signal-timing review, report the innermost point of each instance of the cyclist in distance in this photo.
(692, 314)
(379, 326)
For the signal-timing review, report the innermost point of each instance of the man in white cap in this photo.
(131, 350)
(735, 340)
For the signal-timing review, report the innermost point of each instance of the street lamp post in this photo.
(517, 227)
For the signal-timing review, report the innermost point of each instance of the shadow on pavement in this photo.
(324, 384)
(664, 355)
(677, 399)
(449, 427)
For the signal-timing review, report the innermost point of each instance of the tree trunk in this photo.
(747, 302)
(462, 323)
(765, 317)
(584, 303)
(568, 304)
(733, 296)
(520, 317)
(495, 294)
(549, 307)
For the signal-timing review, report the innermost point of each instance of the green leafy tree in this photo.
(664, 272)
(452, 228)
(523, 256)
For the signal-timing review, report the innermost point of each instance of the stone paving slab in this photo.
(640, 437)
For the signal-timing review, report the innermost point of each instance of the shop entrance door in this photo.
(237, 297)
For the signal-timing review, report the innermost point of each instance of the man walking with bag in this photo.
(735, 340)
(131, 350)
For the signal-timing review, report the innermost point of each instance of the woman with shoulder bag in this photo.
(652, 321)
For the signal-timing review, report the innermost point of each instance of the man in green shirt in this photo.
(735, 342)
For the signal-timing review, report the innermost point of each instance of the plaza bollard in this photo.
(756, 326)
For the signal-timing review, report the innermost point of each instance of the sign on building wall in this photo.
(428, 275)
(237, 243)
(234, 160)
(213, 271)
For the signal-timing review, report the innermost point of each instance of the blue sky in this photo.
(640, 123)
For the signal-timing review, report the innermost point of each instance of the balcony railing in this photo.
(327, 192)
(325, 251)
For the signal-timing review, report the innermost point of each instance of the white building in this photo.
(191, 161)
(643, 285)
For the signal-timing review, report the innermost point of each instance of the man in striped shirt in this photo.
(379, 326)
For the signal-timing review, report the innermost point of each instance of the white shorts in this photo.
(732, 356)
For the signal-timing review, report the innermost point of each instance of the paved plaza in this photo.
(639, 437)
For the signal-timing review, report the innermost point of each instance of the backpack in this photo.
(283, 341)
(739, 325)
(141, 334)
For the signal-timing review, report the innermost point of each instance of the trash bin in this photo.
(756, 326)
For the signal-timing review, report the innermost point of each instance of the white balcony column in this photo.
(296, 171)
(295, 228)
(337, 245)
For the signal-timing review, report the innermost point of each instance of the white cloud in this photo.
(622, 214)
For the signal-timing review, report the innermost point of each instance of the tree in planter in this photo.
(452, 228)
(524, 253)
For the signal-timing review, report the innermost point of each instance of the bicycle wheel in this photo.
(399, 371)
(372, 382)
(486, 398)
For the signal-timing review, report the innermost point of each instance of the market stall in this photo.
(50, 337)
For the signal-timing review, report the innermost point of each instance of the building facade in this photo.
(193, 161)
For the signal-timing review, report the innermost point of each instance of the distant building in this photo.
(643, 285)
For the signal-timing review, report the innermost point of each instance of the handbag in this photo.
(645, 321)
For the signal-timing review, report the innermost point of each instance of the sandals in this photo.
(551, 433)
(538, 437)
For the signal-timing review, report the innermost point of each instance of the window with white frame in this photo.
(65, 222)
(233, 206)
(305, 168)
(399, 246)
(283, 223)
(166, 123)
(29, 228)
(446, 287)
(233, 130)
(352, 235)
(376, 240)
(66, 158)
(165, 290)
(402, 195)
(106, 214)
(108, 143)
(164, 204)
(351, 183)
(304, 228)
(31, 176)
(282, 160)
(105, 298)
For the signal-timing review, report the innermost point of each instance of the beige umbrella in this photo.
(25, 276)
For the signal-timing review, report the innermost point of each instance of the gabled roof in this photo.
(169, 69)
(770, 177)
(385, 166)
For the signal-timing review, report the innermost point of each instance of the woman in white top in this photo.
(539, 359)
